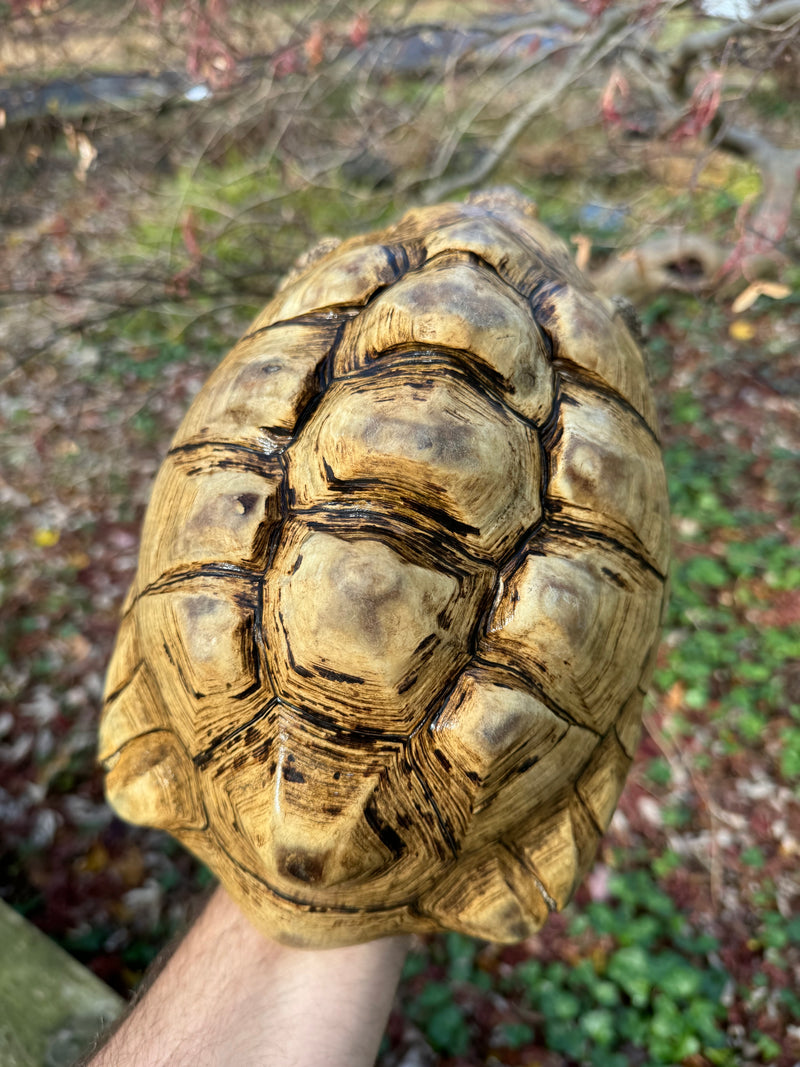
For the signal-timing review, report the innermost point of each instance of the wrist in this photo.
(231, 995)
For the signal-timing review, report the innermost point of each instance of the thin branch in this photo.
(612, 29)
(558, 14)
(780, 175)
(449, 143)
(774, 18)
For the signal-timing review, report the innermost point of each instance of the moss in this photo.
(52, 1007)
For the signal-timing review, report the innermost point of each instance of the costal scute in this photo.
(399, 590)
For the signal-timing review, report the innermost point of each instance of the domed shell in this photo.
(399, 590)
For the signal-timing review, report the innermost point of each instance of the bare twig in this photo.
(775, 18)
(556, 13)
(682, 770)
(780, 174)
(611, 31)
(450, 142)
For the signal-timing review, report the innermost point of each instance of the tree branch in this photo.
(612, 29)
(449, 142)
(774, 18)
(685, 262)
(780, 175)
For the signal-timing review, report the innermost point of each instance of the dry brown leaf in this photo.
(87, 154)
(584, 250)
(79, 145)
(748, 296)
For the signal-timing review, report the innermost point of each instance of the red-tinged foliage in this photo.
(359, 30)
(287, 61)
(702, 107)
(595, 8)
(616, 88)
(34, 8)
(209, 57)
(314, 46)
(533, 45)
(155, 9)
(759, 235)
(189, 235)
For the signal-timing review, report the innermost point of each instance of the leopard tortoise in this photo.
(399, 589)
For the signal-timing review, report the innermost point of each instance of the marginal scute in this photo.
(601, 783)
(486, 237)
(208, 513)
(559, 846)
(652, 659)
(520, 216)
(254, 397)
(589, 335)
(496, 755)
(628, 726)
(128, 658)
(346, 277)
(606, 474)
(495, 758)
(496, 906)
(431, 448)
(489, 729)
(457, 305)
(286, 917)
(527, 794)
(206, 665)
(414, 228)
(152, 783)
(137, 708)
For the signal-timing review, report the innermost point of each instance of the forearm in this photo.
(229, 995)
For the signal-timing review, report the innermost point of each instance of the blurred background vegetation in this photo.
(162, 163)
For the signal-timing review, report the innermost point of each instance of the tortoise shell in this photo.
(400, 582)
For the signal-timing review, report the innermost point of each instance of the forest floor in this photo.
(121, 290)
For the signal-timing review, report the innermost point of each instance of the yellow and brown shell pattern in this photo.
(399, 589)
